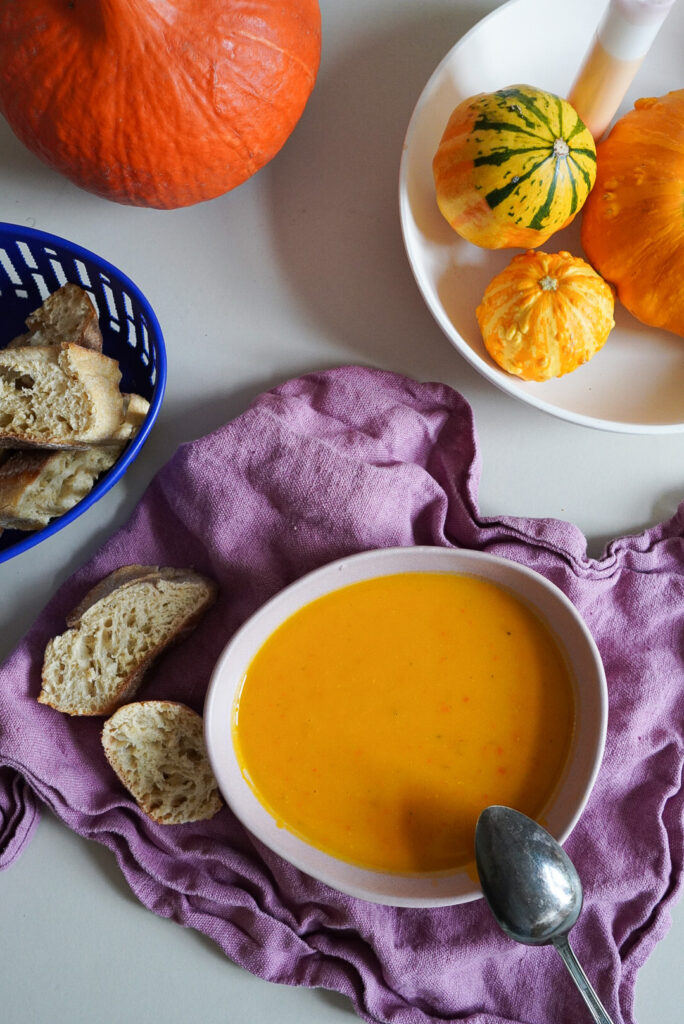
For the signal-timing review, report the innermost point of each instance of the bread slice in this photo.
(135, 410)
(54, 396)
(156, 747)
(66, 315)
(38, 484)
(115, 634)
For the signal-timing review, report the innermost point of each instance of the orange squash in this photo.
(633, 222)
(545, 314)
(159, 103)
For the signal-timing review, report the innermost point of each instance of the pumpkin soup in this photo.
(378, 721)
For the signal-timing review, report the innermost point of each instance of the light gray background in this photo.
(303, 267)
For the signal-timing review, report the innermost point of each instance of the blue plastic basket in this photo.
(33, 264)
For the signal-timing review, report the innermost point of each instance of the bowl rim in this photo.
(443, 889)
(132, 450)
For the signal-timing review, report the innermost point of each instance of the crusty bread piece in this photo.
(66, 315)
(116, 632)
(135, 409)
(156, 747)
(38, 484)
(58, 396)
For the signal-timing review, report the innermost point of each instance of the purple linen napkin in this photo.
(321, 467)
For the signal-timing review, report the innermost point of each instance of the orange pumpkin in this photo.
(545, 314)
(633, 221)
(158, 103)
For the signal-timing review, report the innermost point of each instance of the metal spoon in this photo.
(532, 888)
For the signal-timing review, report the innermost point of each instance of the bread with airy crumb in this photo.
(68, 314)
(157, 750)
(121, 626)
(58, 396)
(36, 485)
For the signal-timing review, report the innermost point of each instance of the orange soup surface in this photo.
(378, 721)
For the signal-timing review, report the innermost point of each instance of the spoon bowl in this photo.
(527, 878)
(532, 888)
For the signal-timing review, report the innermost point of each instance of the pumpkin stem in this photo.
(560, 147)
(548, 283)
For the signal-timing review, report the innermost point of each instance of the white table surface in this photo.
(301, 268)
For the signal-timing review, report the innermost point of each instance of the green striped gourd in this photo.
(513, 167)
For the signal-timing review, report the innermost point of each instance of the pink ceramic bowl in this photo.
(423, 890)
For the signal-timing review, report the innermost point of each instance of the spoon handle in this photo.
(573, 965)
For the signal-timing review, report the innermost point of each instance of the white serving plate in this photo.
(425, 890)
(636, 383)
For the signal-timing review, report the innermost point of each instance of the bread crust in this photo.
(36, 485)
(68, 314)
(42, 480)
(18, 470)
(135, 410)
(126, 575)
(126, 685)
(90, 375)
(169, 775)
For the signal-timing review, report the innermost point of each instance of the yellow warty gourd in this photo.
(545, 314)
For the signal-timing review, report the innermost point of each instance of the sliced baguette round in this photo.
(116, 632)
(156, 748)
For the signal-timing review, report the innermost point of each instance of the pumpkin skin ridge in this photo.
(633, 228)
(249, 89)
(536, 333)
(140, 171)
(134, 161)
(469, 194)
(266, 42)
